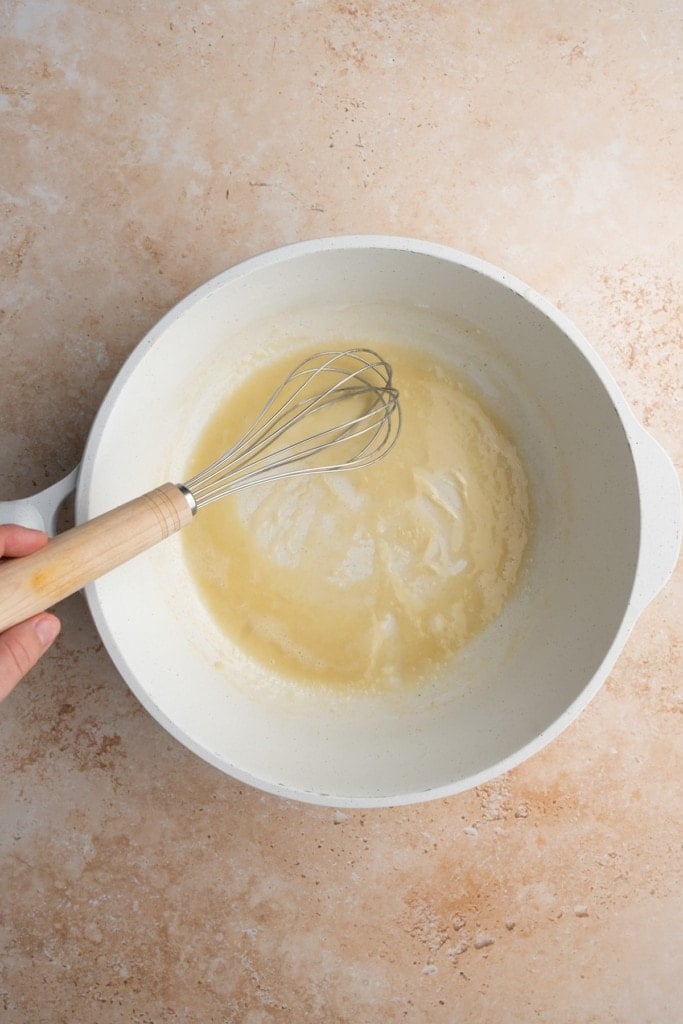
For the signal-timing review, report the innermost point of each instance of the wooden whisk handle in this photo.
(31, 584)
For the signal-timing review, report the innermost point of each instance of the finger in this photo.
(19, 540)
(22, 645)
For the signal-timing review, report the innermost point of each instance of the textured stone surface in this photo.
(147, 147)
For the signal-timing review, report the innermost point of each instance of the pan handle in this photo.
(40, 511)
(661, 517)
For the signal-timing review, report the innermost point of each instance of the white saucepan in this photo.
(606, 505)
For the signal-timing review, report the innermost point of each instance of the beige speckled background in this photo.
(145, 147)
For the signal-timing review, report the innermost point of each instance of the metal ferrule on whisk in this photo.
(189, 497)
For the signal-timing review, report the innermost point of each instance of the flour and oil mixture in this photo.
(374, 578)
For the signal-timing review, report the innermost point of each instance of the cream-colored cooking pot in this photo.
(606, 507)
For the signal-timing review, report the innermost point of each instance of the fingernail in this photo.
(47, 629)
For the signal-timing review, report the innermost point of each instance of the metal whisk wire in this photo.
(342, 381)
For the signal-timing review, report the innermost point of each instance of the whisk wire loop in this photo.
(354, 387)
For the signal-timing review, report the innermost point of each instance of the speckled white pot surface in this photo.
(607, 518)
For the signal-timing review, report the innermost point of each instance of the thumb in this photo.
(21, 646)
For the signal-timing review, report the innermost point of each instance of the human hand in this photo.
(23, 644)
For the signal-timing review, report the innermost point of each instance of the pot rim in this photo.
(633, 431)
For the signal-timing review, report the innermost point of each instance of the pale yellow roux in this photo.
(375, 577)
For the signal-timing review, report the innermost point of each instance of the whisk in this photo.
(334, 411)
